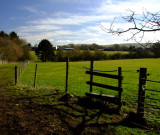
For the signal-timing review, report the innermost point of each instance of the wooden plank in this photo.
(104, 75)
(105, 86)
(108, 98)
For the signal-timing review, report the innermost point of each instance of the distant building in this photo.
(68, 48)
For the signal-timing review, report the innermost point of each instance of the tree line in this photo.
(13, 48)
(46, 52)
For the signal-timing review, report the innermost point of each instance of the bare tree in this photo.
(147, 22)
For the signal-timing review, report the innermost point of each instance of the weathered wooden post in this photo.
(91, 75)
(119, 85)
(67, 68)
(141, 92)
(16, 75)
(35, 75)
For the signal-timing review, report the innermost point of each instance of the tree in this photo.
(9, 50)
(13, 48)
(3, 34)
(156, 49)
(45, 51)
(13, 35)
(147, 22)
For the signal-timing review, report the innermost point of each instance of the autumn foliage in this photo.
(13, 48)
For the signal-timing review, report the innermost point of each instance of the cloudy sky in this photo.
(70, 21)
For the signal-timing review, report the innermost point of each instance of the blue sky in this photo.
(70, 21)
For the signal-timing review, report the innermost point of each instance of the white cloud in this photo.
(72, 20)
(120, 7)
(59, 27)
(33, 10)
(37, 28)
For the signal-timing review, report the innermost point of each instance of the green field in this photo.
(34, 56)
(53, 75)
(114, 52)
(7, 74)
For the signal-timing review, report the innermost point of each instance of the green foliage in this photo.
(79, 55)
(13, 35)
(45, 51)
(156, 49)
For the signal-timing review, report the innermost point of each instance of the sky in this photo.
(71, 21)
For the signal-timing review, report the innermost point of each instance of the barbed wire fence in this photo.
(149, 97)
(44, 75)
(10, 73)
(6, 75)
(55, 75)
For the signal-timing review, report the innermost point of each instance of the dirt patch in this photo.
(47, 115)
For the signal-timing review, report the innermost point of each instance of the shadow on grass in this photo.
(79, 115)
(82, 115)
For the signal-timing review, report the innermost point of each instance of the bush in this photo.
(77, 55)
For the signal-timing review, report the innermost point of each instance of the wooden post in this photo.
(91, 75)
(119, 85)
(67, 67)
(141, 92)
(16, 75)
(35, 75)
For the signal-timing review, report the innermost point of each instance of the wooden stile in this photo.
(116, 99)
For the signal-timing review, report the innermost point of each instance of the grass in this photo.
(53, 75)
(114, 52)
(7, 74)
(34, 56)
(40, 111)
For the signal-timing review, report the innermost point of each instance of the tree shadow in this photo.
(83, 115)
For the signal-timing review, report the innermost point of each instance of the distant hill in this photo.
(126, 44)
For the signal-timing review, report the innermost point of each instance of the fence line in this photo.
(142, 96)
(99, 70)
(10, 74)
(131, 71)
(153, 90)
(76, 74)
(7, 77)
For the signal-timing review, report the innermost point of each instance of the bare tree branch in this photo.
(147, 22)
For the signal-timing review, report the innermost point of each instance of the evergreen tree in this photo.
(45, 51)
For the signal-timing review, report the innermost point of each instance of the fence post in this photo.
(141, 92)
(16, 75)
(119, 85)
(67, 67)
(91, 75)
(35, 75)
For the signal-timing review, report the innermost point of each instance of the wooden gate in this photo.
(116, 99)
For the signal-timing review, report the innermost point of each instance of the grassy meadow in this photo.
(114, 52)
(7, 74)
(53, 75)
